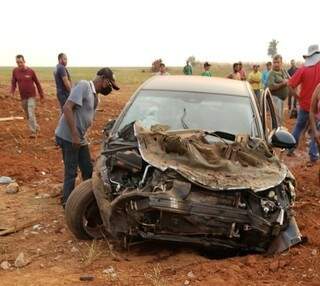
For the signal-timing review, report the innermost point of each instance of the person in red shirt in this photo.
(26, 79)
(308, 77)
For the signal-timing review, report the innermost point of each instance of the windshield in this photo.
(191, 110)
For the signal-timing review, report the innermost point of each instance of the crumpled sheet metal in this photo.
(244, 164)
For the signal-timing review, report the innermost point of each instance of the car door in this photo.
(275, 135)
(268, 114)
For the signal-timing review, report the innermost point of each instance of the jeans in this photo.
(301, 124)
(29, 106)
(257, 92)
(62, 98)
(278, 104)
(72, 159)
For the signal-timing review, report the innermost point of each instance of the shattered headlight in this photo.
(292, 192)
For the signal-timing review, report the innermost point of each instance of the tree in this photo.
(156, 65)
(273, 48)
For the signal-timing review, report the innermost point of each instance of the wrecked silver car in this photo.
(190, 160)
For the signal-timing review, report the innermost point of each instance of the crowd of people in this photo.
(300, 86)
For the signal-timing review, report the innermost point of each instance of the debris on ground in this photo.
(21, 261)
(11, 118)
(16, 228)
(110, 271)
(5, 265)
(74, 249)
(12, 188)
(42, 196)
(37, 227)
(5, 180)
(86, 277)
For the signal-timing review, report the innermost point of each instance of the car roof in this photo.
(204, 84)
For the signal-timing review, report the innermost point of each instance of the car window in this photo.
(190, 110)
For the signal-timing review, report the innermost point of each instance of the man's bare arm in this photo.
(293, 92)
(277, 86)
(69, 116)
(313, 112)
(66, 83)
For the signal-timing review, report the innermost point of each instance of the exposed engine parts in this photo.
(179, 187)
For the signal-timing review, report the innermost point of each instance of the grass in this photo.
(92, 253)
(155, 277)
(123, 75)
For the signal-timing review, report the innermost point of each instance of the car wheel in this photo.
(82, 212)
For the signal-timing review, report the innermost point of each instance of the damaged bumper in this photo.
(141, 196)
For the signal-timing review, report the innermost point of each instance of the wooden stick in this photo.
(12, 118)
(16, 228)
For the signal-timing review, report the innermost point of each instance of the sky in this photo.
(135, 32)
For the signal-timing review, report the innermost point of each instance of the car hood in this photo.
(246, 163)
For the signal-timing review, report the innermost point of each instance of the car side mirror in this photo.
(107, 129)
(281, 138)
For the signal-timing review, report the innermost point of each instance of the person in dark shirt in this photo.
(291, 71)
(62, 79)
(26, 79)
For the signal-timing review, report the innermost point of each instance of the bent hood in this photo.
(246, 163)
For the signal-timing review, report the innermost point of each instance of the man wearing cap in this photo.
(206, 72)
(308, 77)
(77, 117)
(255, 80)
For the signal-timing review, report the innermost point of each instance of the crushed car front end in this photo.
(177, 186)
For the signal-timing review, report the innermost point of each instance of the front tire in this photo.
(82, 212)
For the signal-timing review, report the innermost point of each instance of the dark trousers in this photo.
(72, 159)
(62, 98)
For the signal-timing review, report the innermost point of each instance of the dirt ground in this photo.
(57, 258)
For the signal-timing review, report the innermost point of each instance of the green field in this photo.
(123, 75)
